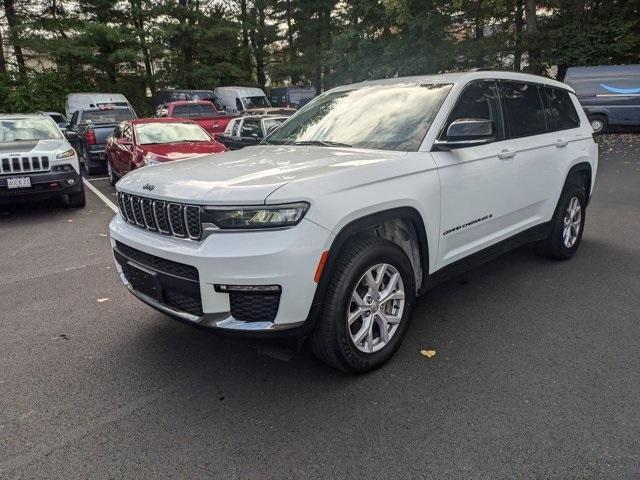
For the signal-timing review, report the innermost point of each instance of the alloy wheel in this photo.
(375, 308)
(572, 222)
(597, 125)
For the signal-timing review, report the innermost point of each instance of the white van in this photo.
(79, 101)
(238, 99)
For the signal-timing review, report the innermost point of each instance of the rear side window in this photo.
(561, 109)
(523, 108)
(479, 100)
(251, 127)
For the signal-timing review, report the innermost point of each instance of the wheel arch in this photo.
(401, 225)
(583, 172)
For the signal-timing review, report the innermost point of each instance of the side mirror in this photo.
(70, 134)
(468, 132)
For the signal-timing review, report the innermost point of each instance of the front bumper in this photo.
(43, 185)
(287, 258)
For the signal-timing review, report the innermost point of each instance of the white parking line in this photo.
(97, 178)
(100, 195)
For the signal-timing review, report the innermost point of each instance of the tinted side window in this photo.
(523, 108)
(251, 127)
(479, 100)
(561, 109)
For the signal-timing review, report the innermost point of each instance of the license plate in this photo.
(144, 281)
(18, 182)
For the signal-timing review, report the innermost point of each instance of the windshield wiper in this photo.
(321, 143)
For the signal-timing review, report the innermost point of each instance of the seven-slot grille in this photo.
(169, 218)
(24, 164)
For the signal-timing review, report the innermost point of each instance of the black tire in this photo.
(77, 199)
(554, 245)
(91, 168)
(599, 123)
(113, 178)
(331, 341)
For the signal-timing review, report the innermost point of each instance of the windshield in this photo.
(115, 115)
(148, 133)
(193, 110)
(255, 102)
(385, 117)
(18, 129)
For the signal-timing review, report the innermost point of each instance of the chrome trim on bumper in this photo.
(221, 321)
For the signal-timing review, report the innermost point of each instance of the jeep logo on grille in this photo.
(149, 187)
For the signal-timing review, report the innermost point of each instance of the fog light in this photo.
(71, 181)
(248, 288)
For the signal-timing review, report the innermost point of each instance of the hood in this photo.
(246, 176)
(179, 151)
(27, 146)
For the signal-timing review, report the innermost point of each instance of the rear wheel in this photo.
(567, 225)
(366, 310)
(598, 123)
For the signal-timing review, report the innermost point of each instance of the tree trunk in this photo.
(138, 23)
(258, 42)
(3, 64)
(246, 49)
(292, 52)
(518, 23)
(14, 23)
(479, 32)
(187, 49)
(533, 47)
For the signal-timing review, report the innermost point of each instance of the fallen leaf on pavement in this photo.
(428, 353)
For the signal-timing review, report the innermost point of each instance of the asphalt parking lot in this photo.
(536, 372)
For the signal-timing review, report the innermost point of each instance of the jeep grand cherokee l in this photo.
(362, 200)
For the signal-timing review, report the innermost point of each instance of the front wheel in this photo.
(77, 199)
(113, 179)
(367, 307)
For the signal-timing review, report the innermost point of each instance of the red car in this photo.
(202, 112)
(145, 141)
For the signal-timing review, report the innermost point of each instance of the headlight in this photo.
(244, 218)
(67, 154)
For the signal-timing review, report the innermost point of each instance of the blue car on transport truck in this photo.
(609, 94)
(88, 131)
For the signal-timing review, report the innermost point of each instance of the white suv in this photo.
(362, 200)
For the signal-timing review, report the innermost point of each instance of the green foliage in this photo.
(137, 46)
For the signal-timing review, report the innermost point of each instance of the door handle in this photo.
(505, 154)
(561, 143)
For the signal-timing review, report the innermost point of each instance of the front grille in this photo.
(176, 219)
(254, 307)
(24, 164)
(158, 263)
